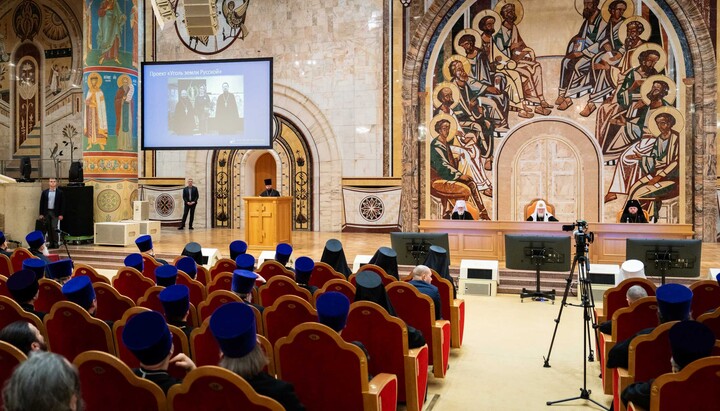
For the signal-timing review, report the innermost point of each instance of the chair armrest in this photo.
(599, 315)
(633, 407)
(457, 322)
(382, 393)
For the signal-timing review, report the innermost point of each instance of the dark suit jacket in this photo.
(272, 193)
(281, 391)
(5, 252)
(190, 194)
(161, 378)
(31, 309)
(59, 208)
(618, 357)
(432, 292)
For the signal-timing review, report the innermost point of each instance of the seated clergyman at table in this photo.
(633, 213)
(460, 211)
(541, 213)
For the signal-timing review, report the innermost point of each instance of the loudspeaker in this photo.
(201, 17)
(76, 172)
(477, 287)
(479, 269)
(141, 210)
(78, 218)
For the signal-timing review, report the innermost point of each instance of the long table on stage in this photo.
(485, 240)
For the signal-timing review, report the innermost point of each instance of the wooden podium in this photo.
(268, 221)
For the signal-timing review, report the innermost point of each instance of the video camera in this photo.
(583, 237)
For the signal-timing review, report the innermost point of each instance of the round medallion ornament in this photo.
(164, 205)
(108, 200)
(372, 208)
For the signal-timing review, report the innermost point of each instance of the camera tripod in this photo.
(587, 302)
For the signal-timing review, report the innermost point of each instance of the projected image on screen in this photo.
(207, 105)
(201, 106)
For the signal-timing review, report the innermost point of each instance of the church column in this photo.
(110, 81)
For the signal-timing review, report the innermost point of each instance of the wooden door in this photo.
(265, 167)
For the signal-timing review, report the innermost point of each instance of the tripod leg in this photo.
(568, 281)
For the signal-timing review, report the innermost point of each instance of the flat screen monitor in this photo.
(207, 104)
(682, 257)
(523, 252)
(412, 248)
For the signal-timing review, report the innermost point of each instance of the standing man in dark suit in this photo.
(52, 206)
(190, 198)
(269, 190)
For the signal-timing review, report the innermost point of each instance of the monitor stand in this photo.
(538, 258)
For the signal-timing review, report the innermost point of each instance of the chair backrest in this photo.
(49, 292)
(706, 296)
(10, 357)
(131, 283)
(123, 353)
(72, 330)
(615, 298)
(279, 286)
(19, 255)
(6, 267)
(180, 345)
(215, 388)
(215, 300)
(415, 308)
(629, 320)
(322, 273)
(268, 349)
(712, 320)
(446, 293)
(385, 277)
(151, 299)
(108, 384)
(649, 354)
(223, 265)
(203, 275)
(197, 289)
(84, 269)
(287, 312)
(385, 338)
(221, 281)
(271, 268)
(10, 311)
(530, 207)
(695, 387)
(111, 305)
(302, 360)
(149, 266)
(203, 346)
(340, 285)
(4, 291)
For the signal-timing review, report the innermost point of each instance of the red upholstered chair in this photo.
(452, 309)
(712, 320)
(385, 277)
(223, 265)
(10, 357)
(108, 384)
(180, 345)
(197, 289)
(10, 311)
(648, 357)
(122, 352)
(111, 305)
(131, 283)
(694, 388)
(268, 350)
(3, 287)
(626, 322)
(215, 300)
(151, 299)
(302, 359)
(202, 275)
(222, 281)
(19, 255)
(271, 268)
(193, 319)
(72, 330)
(385, 338)
(279, 286)
(417, 310)
(322, 273)
(49, 292)
(149, 266)
(287, 312)
(706, 297)
(83, 269)
(203, 346)
(215, 388)
(342, 286)
(5, 266)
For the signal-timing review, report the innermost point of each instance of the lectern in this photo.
(268, 221)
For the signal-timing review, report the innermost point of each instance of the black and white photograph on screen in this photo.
(229, 107)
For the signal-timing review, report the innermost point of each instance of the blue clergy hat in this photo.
(35, 239)
(2, 237)
(283, 252)
(80, 291)
(243, 281)
(144, 243)
(332, 309)
(690, 341)
(237, 248)
(135, 261)
(303, 269)
(175, 300)
(717, 277)
(148, 337)
(233, 325)
(245, 262)
(35, 265)
(23, 285)
(60, 269)
(188, 266)
(166, 275)
(674, 302)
